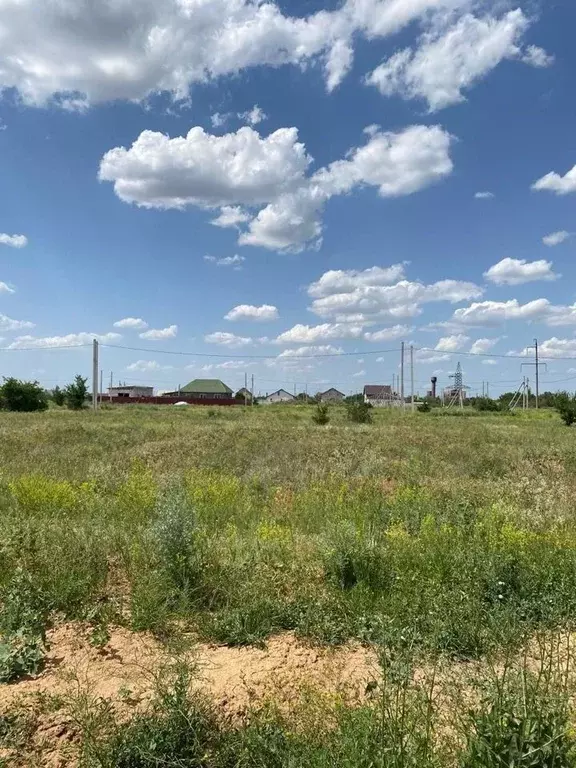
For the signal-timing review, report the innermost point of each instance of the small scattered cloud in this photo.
(5, 288)
(452, 343)
(228, 339)
(231, 216)
(484, 195)
(134, 323)
(489, 361)
(556, 238)
(159, 334)
(218, 119)
(519, 271)
(358, 374)
(147, 365)
(537, 57)
(264, 313)
(14, 241)
(253, 116)
(235, 261)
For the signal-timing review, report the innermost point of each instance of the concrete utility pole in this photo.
(537, 365)
(111, 385)
(412, 376)
(252, 391)
(95, 369)
(245, 389)
(402, 374)
(101, 385)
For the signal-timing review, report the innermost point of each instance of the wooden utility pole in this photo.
(95, 369)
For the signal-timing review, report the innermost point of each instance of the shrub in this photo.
(566, 408)
(320, 415)
(21, 396)
(58, 396)
(75, 394)
(22, 639)
(424, 407)
(486, 404)
(359, 411)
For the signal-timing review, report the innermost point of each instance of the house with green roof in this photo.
(212, 389)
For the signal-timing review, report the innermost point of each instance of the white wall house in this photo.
(131, 391)
(281, 396)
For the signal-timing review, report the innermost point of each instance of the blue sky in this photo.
(287, 190)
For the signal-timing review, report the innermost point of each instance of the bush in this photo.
(566, 407)
(75, 394)
(424, 407)
(320, 415)
(21, 396)
(22, 639)
(359, 412)
(486, 404)
(58, 396)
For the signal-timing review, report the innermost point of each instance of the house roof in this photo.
(332, 389)
(206, 387)
(281, 392)
(377, 390)
(130, 386)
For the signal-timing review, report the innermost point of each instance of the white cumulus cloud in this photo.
(8, 324)
(310, 334)
(253, 116)
(230, 216)
(147, 365)
(134, 323)
(75, 53)
(484, 195)
(452, 343)
(553, 182)
(321, 350)
(5, 288)
(388, 334)
(70, 340)
(228, 339)
(449, 60)
(15, 241)
(263, 313)
(556, 238)
(363, 296)
(159, 334)
(519, 271)
(537, 57)
(489, 313)
(482, 346)
(244, 170)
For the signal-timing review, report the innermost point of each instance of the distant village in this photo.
(216, 392)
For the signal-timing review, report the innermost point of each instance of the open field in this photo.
(423, 558)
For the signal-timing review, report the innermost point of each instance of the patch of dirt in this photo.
(123, 673)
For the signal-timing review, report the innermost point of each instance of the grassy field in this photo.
(436, 539)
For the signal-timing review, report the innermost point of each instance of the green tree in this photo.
(16, 395)
(359, 411)
(320, 415)
(58, 396)
(75, 393)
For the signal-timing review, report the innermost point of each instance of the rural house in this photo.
(331, 396)
(244, 394)
(130, 391)
(378, 395)
(281, 396)
(212, 389)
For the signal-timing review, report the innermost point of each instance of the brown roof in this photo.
(332, 389)
(377, 390)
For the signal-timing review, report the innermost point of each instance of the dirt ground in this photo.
(124, 670)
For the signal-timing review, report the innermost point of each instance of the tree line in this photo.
(28, 396)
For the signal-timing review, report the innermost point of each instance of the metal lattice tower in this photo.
(458, 379)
